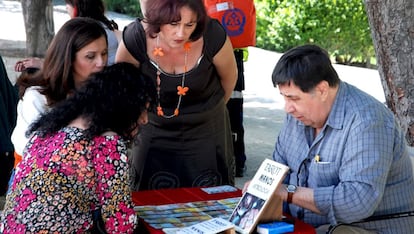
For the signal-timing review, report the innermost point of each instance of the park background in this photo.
(263, 107)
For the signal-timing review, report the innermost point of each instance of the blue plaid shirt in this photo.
(364, 167)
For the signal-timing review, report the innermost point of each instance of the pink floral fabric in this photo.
(63, 178)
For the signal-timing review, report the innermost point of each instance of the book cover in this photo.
(257, 204)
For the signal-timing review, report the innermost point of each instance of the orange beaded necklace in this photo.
(181, 89)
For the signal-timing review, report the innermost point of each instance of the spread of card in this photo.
(220, 189)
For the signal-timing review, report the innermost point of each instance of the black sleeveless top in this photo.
(205, 89)
(194, 148)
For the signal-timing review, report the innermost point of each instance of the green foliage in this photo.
(339, 26)
(127, 7)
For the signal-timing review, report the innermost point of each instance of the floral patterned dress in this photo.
(63, 178)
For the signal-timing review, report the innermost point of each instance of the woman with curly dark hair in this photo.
(78, 161)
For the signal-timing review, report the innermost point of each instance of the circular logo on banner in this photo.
(233, 21)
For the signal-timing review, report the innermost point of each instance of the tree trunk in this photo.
(39, 25)
(392, 28)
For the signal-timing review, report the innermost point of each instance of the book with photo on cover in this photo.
(257, 204)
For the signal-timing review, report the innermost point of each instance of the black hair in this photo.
(94, 9)
(306, 66)
(110, 100)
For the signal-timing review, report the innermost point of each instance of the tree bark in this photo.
(39, 25)
(392, 28)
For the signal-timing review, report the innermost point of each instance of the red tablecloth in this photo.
(183, 195)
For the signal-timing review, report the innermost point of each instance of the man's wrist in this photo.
(291, 189)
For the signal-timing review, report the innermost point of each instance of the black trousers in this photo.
(6, 167)
(235, 108)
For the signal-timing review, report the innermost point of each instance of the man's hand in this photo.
(245, 186)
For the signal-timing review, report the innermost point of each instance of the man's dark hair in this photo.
(306, 66)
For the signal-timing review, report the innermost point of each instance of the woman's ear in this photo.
(75, 12)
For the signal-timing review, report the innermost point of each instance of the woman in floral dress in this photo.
(75, 164)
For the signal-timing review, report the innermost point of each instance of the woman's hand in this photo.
(23, 64)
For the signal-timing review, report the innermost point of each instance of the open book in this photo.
(257, 204)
